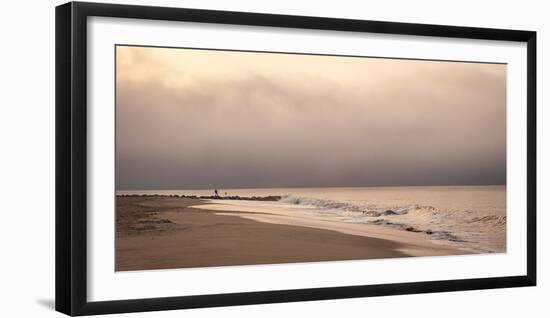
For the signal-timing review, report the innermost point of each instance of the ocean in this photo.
(472, 218)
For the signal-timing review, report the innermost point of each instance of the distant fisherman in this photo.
(216, 193)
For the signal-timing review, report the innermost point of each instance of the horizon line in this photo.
(302, 187)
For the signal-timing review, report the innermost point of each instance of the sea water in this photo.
(468, 217)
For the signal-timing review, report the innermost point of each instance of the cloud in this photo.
(204, 119)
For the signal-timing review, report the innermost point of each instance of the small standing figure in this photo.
(216, 193)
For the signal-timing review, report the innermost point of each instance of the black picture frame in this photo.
(71, 157)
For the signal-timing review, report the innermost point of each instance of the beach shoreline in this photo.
(167, 232)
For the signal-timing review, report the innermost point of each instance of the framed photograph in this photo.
(213, 158)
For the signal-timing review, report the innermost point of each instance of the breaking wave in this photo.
(349, 207)
(446, 225)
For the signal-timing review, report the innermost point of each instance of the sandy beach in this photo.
(172, 232)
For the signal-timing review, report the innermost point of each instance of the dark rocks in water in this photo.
(412, 229)
(377, 214)
(429, 232)
(371, 213)
(385, 222)
(378, 221)
(389, 212)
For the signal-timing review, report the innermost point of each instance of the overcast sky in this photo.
(202, 119)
